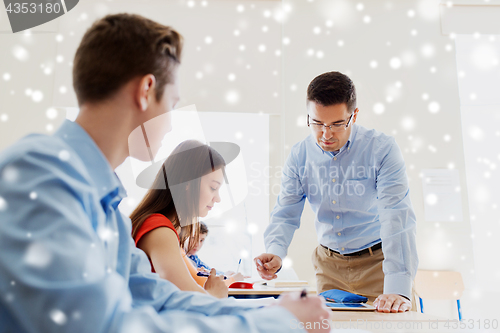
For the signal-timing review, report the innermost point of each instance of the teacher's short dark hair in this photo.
(332, 88)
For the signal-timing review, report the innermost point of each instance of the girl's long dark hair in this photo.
(175, 191)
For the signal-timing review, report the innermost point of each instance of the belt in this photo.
(358, 253)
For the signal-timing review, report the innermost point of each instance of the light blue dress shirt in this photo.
(68, 262)
(360, 197)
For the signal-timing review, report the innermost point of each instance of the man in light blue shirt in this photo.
(355, 181)
(67, 259)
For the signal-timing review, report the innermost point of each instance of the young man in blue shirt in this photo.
(355, 181)
(67, 259)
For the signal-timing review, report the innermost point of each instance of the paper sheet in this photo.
(442, 195)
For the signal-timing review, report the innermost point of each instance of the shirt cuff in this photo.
(277, 251)
(398, 284)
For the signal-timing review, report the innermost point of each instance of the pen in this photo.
(238, 269)
(207, 275)
(260, 263)
(303, 294)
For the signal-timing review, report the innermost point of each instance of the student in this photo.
(166, 220)
(200, 265)
(67, 260)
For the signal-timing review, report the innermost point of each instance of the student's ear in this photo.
(355, 115)
(146, 92)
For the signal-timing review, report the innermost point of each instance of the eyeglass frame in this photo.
(324, 127)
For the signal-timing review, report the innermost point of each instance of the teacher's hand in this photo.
(391, 303)
(267, 265)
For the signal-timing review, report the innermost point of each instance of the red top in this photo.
(152, 222)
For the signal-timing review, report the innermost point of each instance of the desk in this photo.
(377, 322)
(260, 291)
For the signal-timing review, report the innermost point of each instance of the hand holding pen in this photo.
(268, 265)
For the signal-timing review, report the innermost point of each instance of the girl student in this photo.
(165, 223)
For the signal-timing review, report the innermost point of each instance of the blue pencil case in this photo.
(341, 296)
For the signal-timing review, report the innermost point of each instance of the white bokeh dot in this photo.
(373, 64)
(414, 32)
(367, 19)
(231, 77)
(49, 127)
(316, 30)
(286, 40)
(59, 38)
(242, 47)
(425, 96)
(6, 76)
(3, 204)
(199, 75)
(20, 53)
(190, 3)
(329, 23)
(232, 97)
(395, 63)
(51, 113)
(431, 199)
(208, 40)
(434, 107)
(427, 50)
(37, 96)
(408, 123)
(340, 43)
(411, 13)
(63, 89)
(447, 138)
(64, 155)
(4, 117)
(236, 32)
(378, 108)
(287, 263)
(58, 317)
(476, 133)
(319, 54)
(33, 195)
(252, 228)
(360, 6)
(240, 8)
(37, 255)
(262, 48)
(10, 174)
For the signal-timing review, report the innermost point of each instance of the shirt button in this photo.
(343, 249)
(334, 158)
(333, 180)
(334, 202)
(338, 217)
(339, 234)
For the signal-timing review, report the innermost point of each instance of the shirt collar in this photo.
(347, 145)
(109, 187)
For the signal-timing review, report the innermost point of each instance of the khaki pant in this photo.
(360, 275)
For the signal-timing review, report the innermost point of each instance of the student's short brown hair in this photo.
(120, 47)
